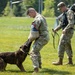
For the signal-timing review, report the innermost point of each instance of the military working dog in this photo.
(16, 57)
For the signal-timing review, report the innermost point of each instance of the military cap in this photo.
(61, 4)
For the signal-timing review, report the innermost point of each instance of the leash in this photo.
(53, 35)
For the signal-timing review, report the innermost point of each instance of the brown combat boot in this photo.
(40, 65)
(59, 62)
(36, 70)
(70, 61)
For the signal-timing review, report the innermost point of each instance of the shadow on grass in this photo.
(72, 65)
(18, 71)
(54, 72)
(45, 70)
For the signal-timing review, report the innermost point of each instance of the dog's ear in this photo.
(21, 46)
(26, 46)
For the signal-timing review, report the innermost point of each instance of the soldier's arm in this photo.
(60, 24)
(58, 28)
(70, 16)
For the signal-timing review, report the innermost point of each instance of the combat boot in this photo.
(36, 70)
(59, 62)
(40, 65)
(70, 61)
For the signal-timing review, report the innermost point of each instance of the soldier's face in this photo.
(62, 9)
(32, 14)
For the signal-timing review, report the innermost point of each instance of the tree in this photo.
(6, 11)
(48, 8)
(19, 9)
(31, 3)
(3, 4)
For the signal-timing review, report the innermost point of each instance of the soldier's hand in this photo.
(54, 30)
(63, 31)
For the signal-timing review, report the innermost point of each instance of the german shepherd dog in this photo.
(16, 57)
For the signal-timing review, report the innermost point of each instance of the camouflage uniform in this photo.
(65, 39)
(40, 34)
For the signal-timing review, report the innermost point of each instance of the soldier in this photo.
(40, 35)
(67, 25)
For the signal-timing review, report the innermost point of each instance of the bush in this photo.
(3, 4)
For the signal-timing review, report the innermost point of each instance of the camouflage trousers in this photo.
(35, 52)
(65, 44)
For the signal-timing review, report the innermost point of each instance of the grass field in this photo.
(14, 32)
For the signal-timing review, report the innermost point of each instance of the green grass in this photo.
(14, 32)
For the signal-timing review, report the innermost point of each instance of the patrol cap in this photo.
(61, 4)
(29, 9)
